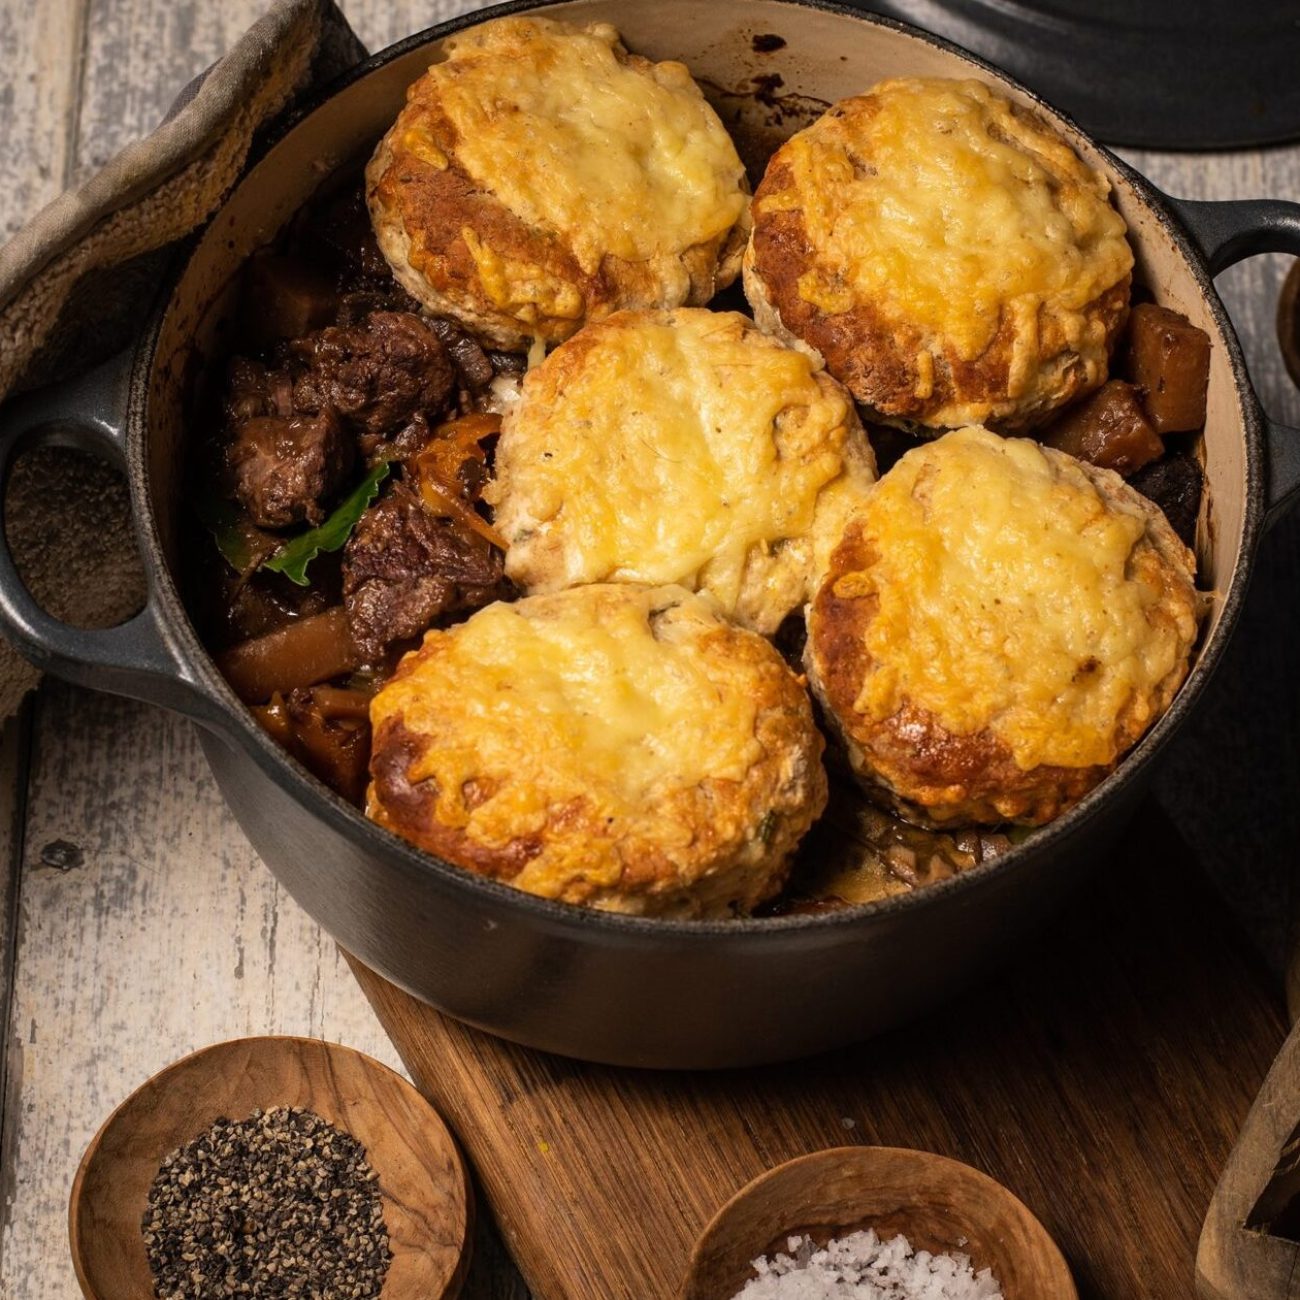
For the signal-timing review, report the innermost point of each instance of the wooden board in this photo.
(1102, 1077)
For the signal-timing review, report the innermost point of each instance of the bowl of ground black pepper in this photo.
(270, 1169)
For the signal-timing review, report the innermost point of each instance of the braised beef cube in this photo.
(287, 467)
(404, 568)
(1175, 484)
(472, 364)
(1108, 429)
(378, 375)
(253, 389)
(1169, 361)
(285, 298)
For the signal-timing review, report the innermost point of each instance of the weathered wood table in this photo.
(135, 922)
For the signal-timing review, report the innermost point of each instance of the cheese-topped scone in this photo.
(540, 176)
(686, 447)
(619, 747)
(946, 252)
(1000, 624)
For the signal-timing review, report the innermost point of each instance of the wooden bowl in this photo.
(936, 1203)
(425, 1193)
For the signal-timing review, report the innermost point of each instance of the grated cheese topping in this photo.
(1013, 595)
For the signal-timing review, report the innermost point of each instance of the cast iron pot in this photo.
(592, 985)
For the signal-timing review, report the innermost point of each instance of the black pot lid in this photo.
(1160, 74)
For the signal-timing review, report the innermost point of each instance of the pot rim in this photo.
(241, 728)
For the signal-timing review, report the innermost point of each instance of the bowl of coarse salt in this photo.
(875, 1223)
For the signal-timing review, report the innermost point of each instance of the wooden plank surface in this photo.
(40, 80)
(169, 934)
(1103, 1078)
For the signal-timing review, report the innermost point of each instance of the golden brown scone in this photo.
(999, 625)
(683, 446)
(541, 177)
(946, 252)
(615, 746)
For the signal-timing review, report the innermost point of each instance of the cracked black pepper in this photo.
(278, 1205)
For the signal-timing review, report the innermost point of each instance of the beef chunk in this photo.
(378, 375)
(1175, 485)
(292, 432)
(1108, 428)
(286, 467)
(403, 568)
(475, 370)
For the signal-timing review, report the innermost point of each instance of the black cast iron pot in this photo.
(593, 985)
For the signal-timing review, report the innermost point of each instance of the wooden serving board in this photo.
(1103, 1077)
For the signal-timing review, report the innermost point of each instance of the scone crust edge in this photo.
(406, 193)
(714, 849)
(910, 762)
(873, 351)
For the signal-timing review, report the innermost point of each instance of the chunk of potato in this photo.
(1108, 429)
(1169, 361)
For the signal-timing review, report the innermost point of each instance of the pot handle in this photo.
(135, 658)
(1227, 232)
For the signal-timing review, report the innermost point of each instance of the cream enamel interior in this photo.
(827, 55)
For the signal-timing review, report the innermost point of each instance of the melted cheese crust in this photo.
(943, 207)
(616, 705)
(617, 159)
(682, 447)
(1014, 595)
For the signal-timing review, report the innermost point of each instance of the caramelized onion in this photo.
(446, 506)
(438, 471)
(327, 729)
